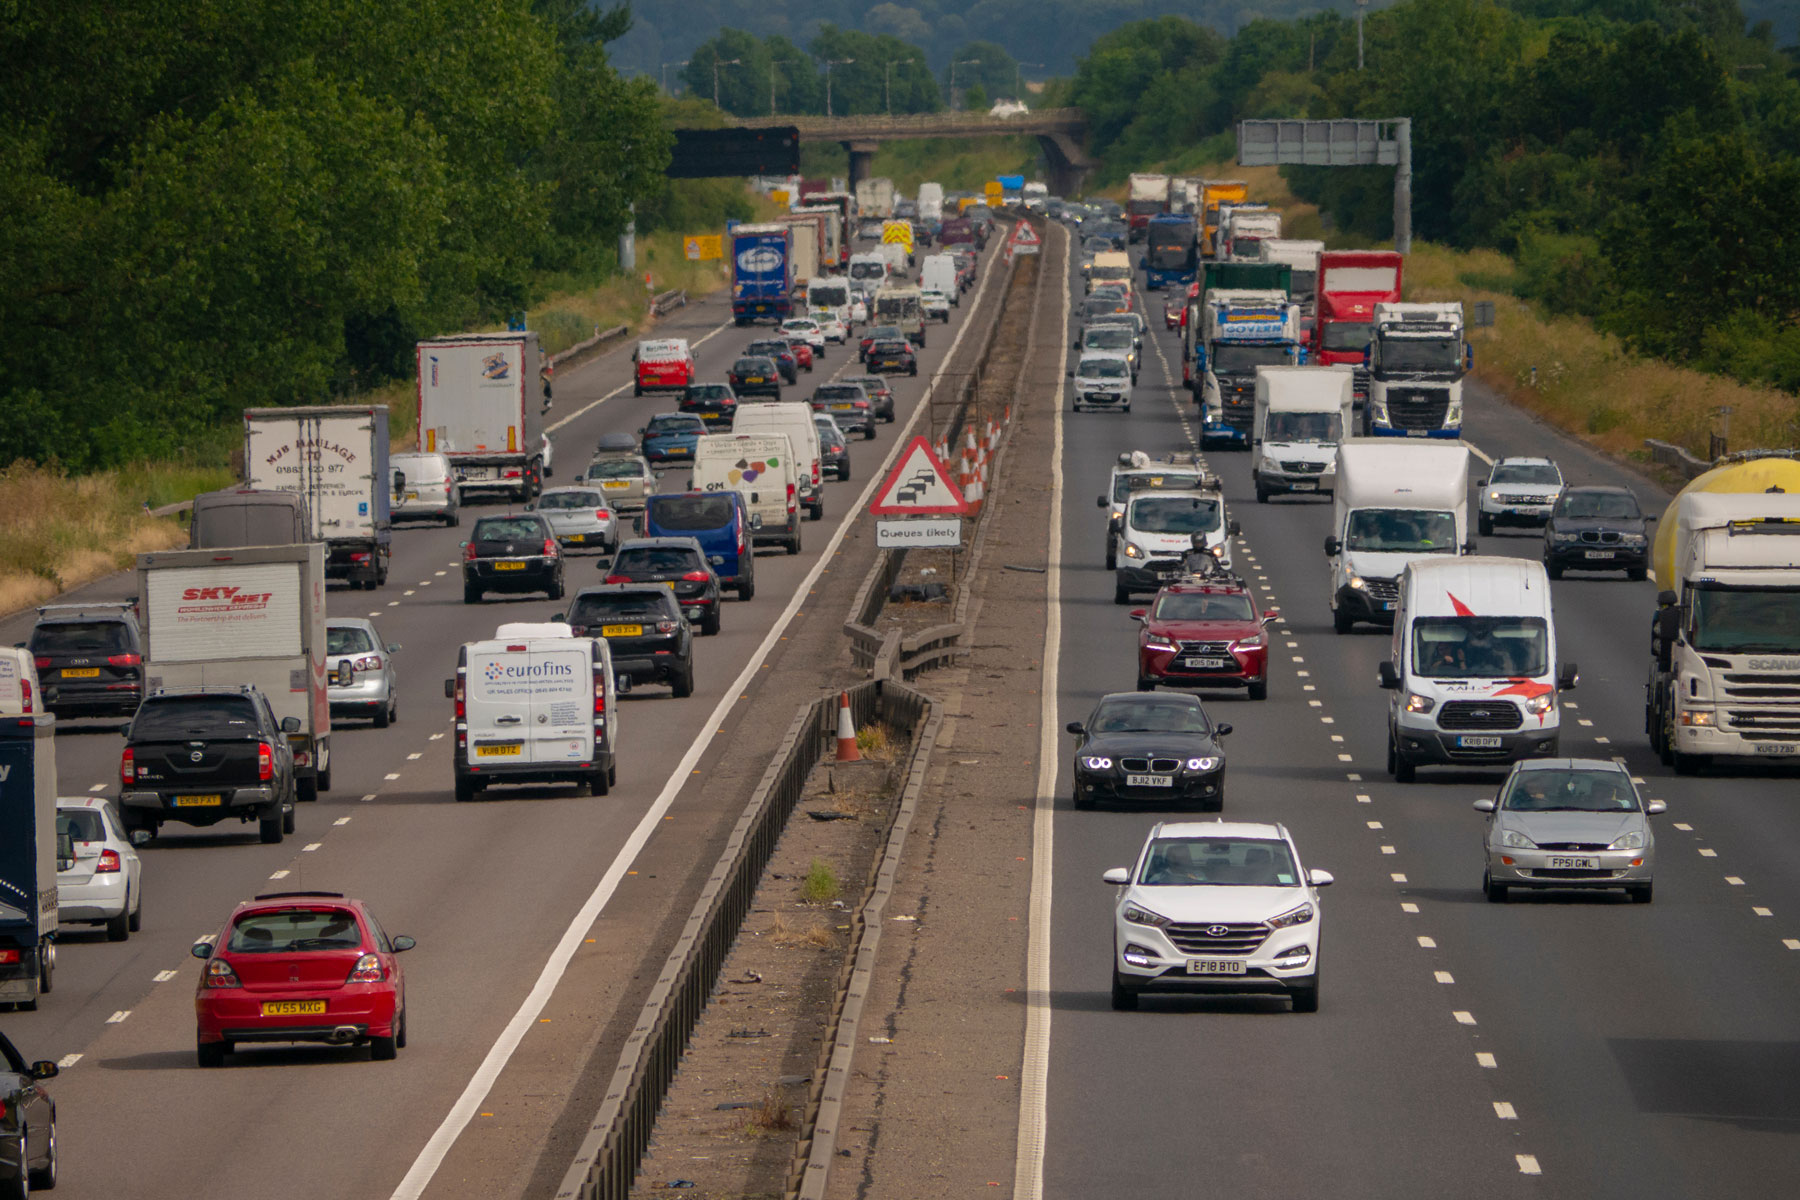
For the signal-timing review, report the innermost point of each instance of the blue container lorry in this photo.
(28, 857)
(762, 273)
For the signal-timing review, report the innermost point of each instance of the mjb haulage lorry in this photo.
(335, 458)
(28, 857)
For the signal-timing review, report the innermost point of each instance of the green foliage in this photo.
(883, 74)
(821, 883)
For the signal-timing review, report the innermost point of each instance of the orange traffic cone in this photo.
(846, 736)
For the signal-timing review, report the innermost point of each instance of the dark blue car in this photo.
(719, 522)
(670, 437)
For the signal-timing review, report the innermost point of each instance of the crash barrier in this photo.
(669, 301)
(581, 349)
(1667, 454)
(611, 1151)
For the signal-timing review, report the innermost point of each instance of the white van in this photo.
(832, 293)
(19, 692)
(868, 272)
(1302, 413)
(424, 487)
(1471, 673)
(795, 420)
(939, 275)
(762, 469)
(535, 704)
(1394, 502)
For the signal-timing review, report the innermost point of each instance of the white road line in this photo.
(281, 874)
(436, 737)
(1705, 853)
(1397, 877)
(1328, 720)
(1336, 737)
(1353, 777)
(1443, 977)
(67, 1061)
(418, 1177)
(164, 976)
(341, 821)
(1464, 1018)
(1362, 797)
(1505, 1111)
(1763, 912)
(1484, 1059)
(1426, 943)
(118, 1017)
(1389, 850)
(1603, 741)
(415, 756)
(1374, 824)
(1478, 452)
(98, 787)
(1407, 906)
(1345, 758)
(1684, 827)
(310, 847)
(368, 797)
(393, 776)
(1528, 1164)
(1734, 881)
(1791, 943)
(1034, 1071)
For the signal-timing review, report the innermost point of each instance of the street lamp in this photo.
(773, 63)
(830, 63)
(887, 85)
(967, 62)
(1362, 6)
(665, 73)
(717, 63)
(1019, 79)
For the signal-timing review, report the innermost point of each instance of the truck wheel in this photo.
(306, 788)
(270, 829)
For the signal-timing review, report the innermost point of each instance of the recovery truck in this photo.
(1416, 360)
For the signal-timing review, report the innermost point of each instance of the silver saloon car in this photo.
(372, 690)
(99, 881)
(1569, 823)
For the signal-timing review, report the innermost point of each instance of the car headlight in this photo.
(1096, 762)
(1415, 703)
(1143, 916)
(1293, 916)
(1696, 717)
(1628, 841)
(1118, 514)
(1493, 495)
(1159, 644)
(1516, 840)
(1632, 539)
(1560, 536)
(1206, 763)
(1133, 550)
(1355, 581)
(1537, 706)
(1253, 642)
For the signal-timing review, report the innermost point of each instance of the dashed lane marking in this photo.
(1528, 1164)
(1397, 877)
(310, 847)
(1426, 943)
(1705, 853)
(118, 1017)
(1443, 977)
(164, 976)
(1763, 912)
(1484, 1059)
(341, 821)
(281, 874)
(1464, 1018)
(1505, 1111)
(1734, 881)
(67, 1061)
(1407, 906)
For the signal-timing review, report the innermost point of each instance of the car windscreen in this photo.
(685, 423)
(771, 349)
(81, 637)
(170, 717)
(1219, 862)
(1304, 427)
(1190, 606)
(690, 514)
(290, 931)
(1174, 514)
(1480, 647)
(1108, 337)
(1533, 473)
(1597, 504)
(653, 560)
(1571, 791)
(614, 468)
(1173, 714)
(607, 607)
(552, 501)
(422, 469)
(348, 639)
(1401, 531)
(80, 825)
(1104, 368)
(709, 391)
(1124, 485)
(508, 529)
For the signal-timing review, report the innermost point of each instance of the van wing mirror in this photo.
(290, 724)
(1333, 547)
(1390, 678)
(1567, 677)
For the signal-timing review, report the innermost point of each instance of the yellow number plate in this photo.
(213, 801)
(614, 485)
(290, 1008)
(509, 566)
(502, 750)
(621, 631)
(81, 673)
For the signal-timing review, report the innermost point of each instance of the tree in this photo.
(988, 66)
(862, 86)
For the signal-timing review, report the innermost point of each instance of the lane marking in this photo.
(1397, 877)
(1388, 850)
(281, 874)
(67, 1061)
(1763, 912)
(119, 1016)
(1684, 827)
(1706, 853)
(415, 757)
(1734, 881)
(1791, 943)
(98, 787)
(393, 776)
(463, 1110)
(1505, 1111)
(1374, 824)
(341, 821)
(1528, 1164)
(163, 976)
(1464, 1018)
(1485, 1059)
(310, 847)
(1407, 906)
(1443, 977)
(1426, 943)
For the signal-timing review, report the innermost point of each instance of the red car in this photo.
(301, 967)
(803, 352)
(1203, 635)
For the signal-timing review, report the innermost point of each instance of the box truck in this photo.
(335, 458)
(481, 403)
(762, 273)
(1394, 502)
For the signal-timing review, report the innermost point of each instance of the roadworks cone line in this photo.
(846, 732)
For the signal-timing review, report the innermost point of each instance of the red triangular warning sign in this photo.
(1024, 235)
(918, 486)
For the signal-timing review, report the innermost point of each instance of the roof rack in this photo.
(299, 895)
(207, 689)
(90, 606)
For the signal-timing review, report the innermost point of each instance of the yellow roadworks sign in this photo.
(705, 248)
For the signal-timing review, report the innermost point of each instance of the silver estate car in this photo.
(580, 517)
(373, 691)
(1569, 823)
(101, 881)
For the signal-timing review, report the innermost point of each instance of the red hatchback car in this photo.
(301, 967)
(1203, 635)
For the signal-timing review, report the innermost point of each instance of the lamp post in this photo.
(830, 63)
(773, 63)
(967, 62)
(887, 86)
(717, 63)
(1362, 6)
(665, 73)
(1019, 79)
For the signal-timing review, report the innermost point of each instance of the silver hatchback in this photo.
(99, 881)
(1569, 823)
(580, 518)
(424, 488)
(373, 690)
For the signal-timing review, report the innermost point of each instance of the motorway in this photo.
(498, 893)
(1561, 1045)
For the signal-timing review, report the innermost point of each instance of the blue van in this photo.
(719, 522)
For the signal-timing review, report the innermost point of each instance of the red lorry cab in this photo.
(1351, 283)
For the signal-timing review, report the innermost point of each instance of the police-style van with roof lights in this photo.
(1471, 673)
(535, 704)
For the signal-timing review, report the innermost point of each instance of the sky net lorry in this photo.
(1351, 284)
(762, 273)
(1725, 642)
(481, 405)
(335, 457)
(1416, 361)
(1393, 502)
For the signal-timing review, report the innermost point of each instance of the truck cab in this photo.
(1350, 284)
(1243, 329)
(1416, 361)
(1302, 415)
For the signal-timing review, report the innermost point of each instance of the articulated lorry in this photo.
(1263, 277)
(1241, 330)
(29, 854)
(833, 255)
(808, 244)
(1416, 361)
(335, 458)
(875, 197)
(1302, 256)
(762, 273)
(1170, 251)
(1213, 193)
(1241, 228)
(1149, 196)
(1351, 283)
(1724, 678)
(481, 404)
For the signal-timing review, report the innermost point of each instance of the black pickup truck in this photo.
(204, 755)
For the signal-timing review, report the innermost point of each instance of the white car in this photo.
(1518, 491)
(859, 310)
(936, 304)
(1101, 381)
(102, 882)
(807, 330)
(833, 329)
(1216, 907)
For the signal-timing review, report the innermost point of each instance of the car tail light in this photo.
(108, 864)
(124, 660)
(265, 761)
(220, 975)
(601, 514)
(469, 552)
(360, 557)
(667, 626)
(618, 579)
(128, 767)
(9, 956)
(368, 969)
(599, 695)
(694, 577)
(550, 547)
(368, 662)
(43, 662)
(25, 695)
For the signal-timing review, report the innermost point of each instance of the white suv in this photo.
(1217, 907)
(1518, 491)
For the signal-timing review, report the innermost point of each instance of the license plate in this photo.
(500, 750)
(1598, 554)
(676, 450)
(1304, 487)
(1777, 748)
(843, 408)
(412, 495)
(1149, 781)
(212, 800)
(1559, 863)
(1204, 664)
(81, 673)
(1472, 742)
(509, 566)
(291, 1008)
(1215, 966)
(574, 537)
(754, 379)
(621, 631)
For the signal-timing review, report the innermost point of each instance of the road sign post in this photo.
(1338, 143)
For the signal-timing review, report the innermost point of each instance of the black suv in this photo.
(643, 626)
(89, 659)
(782, 353)
(755, 375)
(203, 755)
(1597, 529)
(678, 562)
(714, 403)
(881, 394)
(512, 554)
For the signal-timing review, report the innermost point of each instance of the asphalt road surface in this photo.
(487, 888)
(1562, 1045)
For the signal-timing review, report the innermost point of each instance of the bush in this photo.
(1564, 272)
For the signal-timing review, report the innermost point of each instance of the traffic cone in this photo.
(846, 736)
(972, 494)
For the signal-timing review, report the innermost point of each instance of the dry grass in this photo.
(771, 1116)
(785, 934)
(873, 742)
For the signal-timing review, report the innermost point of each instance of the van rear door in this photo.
(529, 702)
